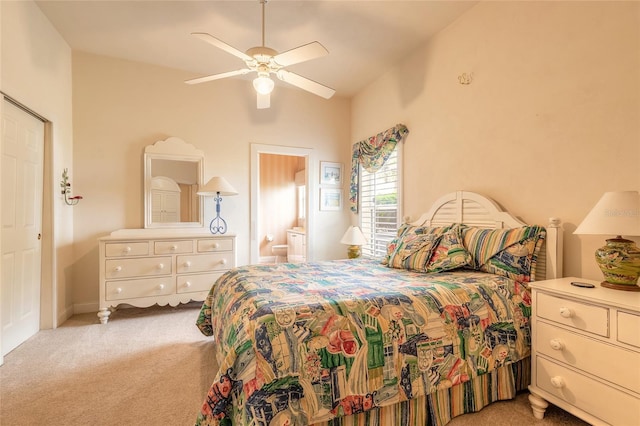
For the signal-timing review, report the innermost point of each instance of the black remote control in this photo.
(585, 285)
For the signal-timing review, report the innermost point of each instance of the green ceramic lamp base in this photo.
(619, 262)
(354, 252)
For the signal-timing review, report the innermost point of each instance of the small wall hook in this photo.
(66, 190)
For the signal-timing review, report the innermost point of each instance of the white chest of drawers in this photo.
(586, 351)
(161, 267)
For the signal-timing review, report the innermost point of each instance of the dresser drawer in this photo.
(205, 263)
(196, 283)
(171, 247)
(147, 287)
(629, 329)
(597, 358)
(586, 394)
(572, 313)
(126, 249)
(140, 267)
(215, 244)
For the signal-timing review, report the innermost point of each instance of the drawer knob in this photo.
(117, 269)
(558, 382)
(160, 286)
(187, 284)
(187, 264)
(118, 290)
(127, 249)
(161, 266)
(223, 261)
(566, 312)
(174, 247)
(216, 245)
(556, 344)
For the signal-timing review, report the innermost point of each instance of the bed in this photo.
(436, 329)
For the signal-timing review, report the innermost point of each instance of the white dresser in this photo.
(586, 351)
(146, 267)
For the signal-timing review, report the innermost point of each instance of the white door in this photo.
(22, 168)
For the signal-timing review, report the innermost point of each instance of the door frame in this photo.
(310, 164)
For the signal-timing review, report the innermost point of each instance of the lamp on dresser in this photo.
(616, 214)
(217, 186)
(354, 238)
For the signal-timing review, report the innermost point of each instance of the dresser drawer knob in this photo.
(223, 261)
(127, 249)
(187, 264)
(161, 266)
(160, 286)
(187, 284)
(117, 269)
(557, 382)
(557, 344)
(566, 312)
(174, 247)
(216, 245)
(118, 290)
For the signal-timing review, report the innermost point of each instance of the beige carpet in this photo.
(145, 367)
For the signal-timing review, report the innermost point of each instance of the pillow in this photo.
(413, 251)
(450, 252)
(509, 252)
(408, 229)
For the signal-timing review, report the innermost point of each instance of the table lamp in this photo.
(217, 186)
(354, 238)
(616, 214)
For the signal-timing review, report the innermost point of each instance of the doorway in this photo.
(23, 135)
(260, 234)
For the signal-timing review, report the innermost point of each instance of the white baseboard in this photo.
(86, 308)
(65, 315)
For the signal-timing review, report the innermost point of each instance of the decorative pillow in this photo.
(413, 251)
(509, 252)
(450, 252)
(408, 229)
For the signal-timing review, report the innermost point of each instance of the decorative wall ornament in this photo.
(66, 190)
(465, 78)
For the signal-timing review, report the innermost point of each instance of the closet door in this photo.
(22, 185)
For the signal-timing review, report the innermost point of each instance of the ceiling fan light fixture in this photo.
(263, 85)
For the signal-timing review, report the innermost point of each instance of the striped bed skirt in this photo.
(438, 408)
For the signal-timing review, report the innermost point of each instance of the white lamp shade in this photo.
(353, 237)
(617, 213)
(263, 85)
(217, 185)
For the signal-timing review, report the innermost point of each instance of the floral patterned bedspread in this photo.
(303, 343)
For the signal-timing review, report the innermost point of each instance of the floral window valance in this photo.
(371, 154)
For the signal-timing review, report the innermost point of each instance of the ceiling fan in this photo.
(266, 61)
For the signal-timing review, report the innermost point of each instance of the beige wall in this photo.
(121, 106)
(550, 121)
(36, 71)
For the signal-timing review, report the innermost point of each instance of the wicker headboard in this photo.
(477, 210)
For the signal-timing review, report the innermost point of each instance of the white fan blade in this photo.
(218, 76)
(264, 101)
(222, 45)
(305, 84)
(301, 54)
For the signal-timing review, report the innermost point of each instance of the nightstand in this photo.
(585, 355)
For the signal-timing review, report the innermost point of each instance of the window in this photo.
(380, 204)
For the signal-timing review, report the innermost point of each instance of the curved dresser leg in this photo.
(103, 314)
(538, 405)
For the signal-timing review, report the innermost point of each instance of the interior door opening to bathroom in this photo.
(281, 217)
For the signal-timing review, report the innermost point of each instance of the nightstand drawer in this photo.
(586, 394)
(600, 359)
(572, 313)
(629, 329)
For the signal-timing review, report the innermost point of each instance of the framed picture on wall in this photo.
(330, 199)
(330, 173)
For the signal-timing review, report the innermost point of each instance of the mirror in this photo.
(173, 172)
